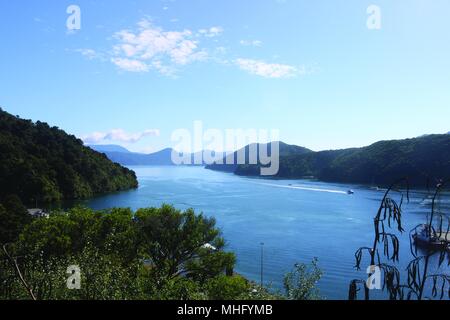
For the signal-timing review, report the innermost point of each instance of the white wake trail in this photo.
(299, 187)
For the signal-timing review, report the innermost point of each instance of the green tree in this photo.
(211, 262)
(174, 240)
(180, 289)
(227, 288)
(300, 284)
(13, 218)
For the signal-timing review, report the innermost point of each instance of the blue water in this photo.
(296, 220)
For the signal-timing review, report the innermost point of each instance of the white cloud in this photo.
(254, 43)
(118, 135)
(211, 32)
(267, 70)
(130, 65)
(152, 47)
(163, 69)
(88, 53)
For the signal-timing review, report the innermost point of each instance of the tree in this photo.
(175, 240)
(227, 288)
(300, 284)
(13, 218)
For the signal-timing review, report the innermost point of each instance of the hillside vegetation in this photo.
(423, 160)
(285, 150)
(44, 164)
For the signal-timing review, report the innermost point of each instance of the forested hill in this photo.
(422, 160)
(284, 151)
(43, 163)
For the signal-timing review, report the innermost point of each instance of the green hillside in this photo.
(285, 150)
(423, 160)
(43, 163)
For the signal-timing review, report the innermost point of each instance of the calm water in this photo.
(296, 220)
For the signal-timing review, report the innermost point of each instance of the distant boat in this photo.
(350, 192)
(425, 236)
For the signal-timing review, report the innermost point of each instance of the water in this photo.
(296, 220)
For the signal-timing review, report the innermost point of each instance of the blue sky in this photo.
(138, 70)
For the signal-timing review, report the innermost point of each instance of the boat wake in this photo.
(306, 188)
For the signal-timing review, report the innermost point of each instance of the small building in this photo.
(209, 247)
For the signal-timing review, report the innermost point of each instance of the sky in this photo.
(321, 72)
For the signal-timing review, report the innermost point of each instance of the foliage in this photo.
(13, 218)
(155, 253)
(43, 163)
(285, 150)
(300, 284)
(423, 160)
(227, 288)
(180, 289)
(102, 277)
(182, 236)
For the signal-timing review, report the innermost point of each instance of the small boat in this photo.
(425, 236)
(350, 192)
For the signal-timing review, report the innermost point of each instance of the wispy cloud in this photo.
(130, 65)
(267, 70)
(211, 32)
(118, 135)
(89, 53)
(253, 43)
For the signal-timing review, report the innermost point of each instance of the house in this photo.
(38, 213)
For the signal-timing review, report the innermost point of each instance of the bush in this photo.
(227, 288)
(300, 284)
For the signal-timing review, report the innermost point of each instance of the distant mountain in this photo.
(45, 164)
(108, 148)
(160, 158)
(422, 160)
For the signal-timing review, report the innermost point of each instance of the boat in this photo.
(427, 237)
(350, 192)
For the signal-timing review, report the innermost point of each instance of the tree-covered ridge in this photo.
(285, 150)
(423, 160)
(43, 163)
